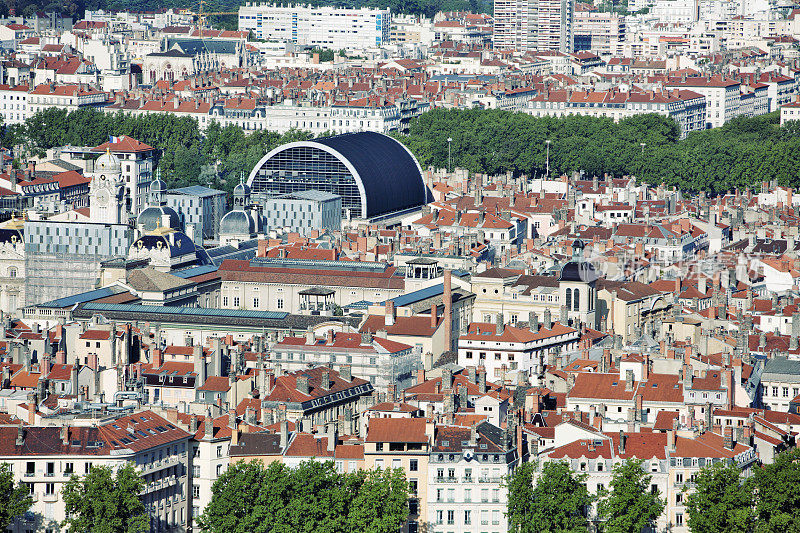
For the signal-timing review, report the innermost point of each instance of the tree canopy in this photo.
(104, 502)
(742, 153)
(721, 502)
(216, 157)
(631, 505)
(559, 501)
(778, 501)
(312, 497)
(15, 499)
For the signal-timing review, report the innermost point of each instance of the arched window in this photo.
(576, 300)
(568, 303)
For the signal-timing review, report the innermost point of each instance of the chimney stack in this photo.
(302, 384)
(447, 296)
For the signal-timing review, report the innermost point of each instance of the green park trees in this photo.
(740, 154)
(631, 505)
(721, 501)
(557, 502)
(312, 497)
(765, 502)
(105, 502)
(743, 153)
(14, 498)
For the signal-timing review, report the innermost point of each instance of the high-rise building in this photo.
(601, 32)
(326, 27)
(533, 25)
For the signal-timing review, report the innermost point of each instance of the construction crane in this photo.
(201, 15)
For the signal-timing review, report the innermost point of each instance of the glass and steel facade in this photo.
(304, 168)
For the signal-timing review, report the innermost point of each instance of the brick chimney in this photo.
(448, 310)
(302, 384)
(391, 314)
(433, 316)
(628, 380)
(325, 380)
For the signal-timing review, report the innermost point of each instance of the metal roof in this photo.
(319, 264)
(416, 296)
(69, 301)
(391, 176)
(187, 311)
(196, 190)
(194, 271)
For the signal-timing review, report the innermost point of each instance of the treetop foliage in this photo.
(311, 497)
(740, 154)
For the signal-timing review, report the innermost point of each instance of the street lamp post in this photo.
(547, 160)
(449, 140)
(642, 145)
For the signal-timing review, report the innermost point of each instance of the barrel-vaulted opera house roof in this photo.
(375, 175)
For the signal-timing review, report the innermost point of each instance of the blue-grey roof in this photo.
(69, 301)
(193, 46)
(194, 271)
(322, 264)
(237, 222)
(313, 194)
(183, 244)
(195, 190)
(782, 365)
(361, 304)
(391, 177)
(416, 296)
(246, 250)
(186, 311)
(150, 218)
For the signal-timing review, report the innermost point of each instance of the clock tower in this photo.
(107, 191)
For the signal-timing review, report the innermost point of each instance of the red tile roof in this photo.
(397, 430)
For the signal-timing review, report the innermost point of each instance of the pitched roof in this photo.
(397, 430)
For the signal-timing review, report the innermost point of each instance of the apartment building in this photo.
(69, 97)
(467, 471)
(687, 107)
(601, 32)
(722, 96)
(44, 458)
(404, 443)
(780, 383)
(325, 27)
(14, 104)
(524, 25)
(294, 286)
(381, 362)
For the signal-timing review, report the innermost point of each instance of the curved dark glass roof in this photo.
(390, 175)
(578, 271)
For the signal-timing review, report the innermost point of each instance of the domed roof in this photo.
(241, 188)
(108, 163)
(158, 185)
(581, 271)
(181, 244)
(237, 222)
(150, 218)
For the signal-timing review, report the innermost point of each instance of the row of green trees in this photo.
(559, 500)
(100, 501)
(313, 497)
(741, 154)
(721, 500)
(766, 502)
(185, 155)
